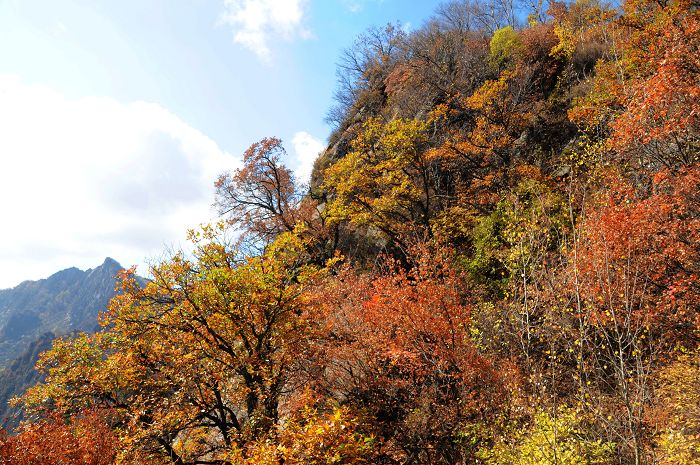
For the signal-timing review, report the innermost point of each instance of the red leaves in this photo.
(663, 97)
(401, 350)
(642, 254)
(82, 439)
(420, 319)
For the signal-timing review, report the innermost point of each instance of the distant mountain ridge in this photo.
(34, 313)
(67, 301)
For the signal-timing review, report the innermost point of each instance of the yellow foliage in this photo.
(679, 440)
(567, 42)
(552, 439)
(379, 183)
(504, 45)
(313, 438)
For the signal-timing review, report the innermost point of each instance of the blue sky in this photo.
(116, 116)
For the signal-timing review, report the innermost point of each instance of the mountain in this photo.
(18, 376)
(67, 301)
(34, 313)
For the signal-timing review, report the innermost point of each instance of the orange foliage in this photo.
(663, 97)
(260, 198)
(401, 351)
(642, 255)
(82, 439)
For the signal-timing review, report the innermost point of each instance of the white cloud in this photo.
(255, 22)
(81, 179)
(356, 6)
(306, 150)
(61, 28)
(353, 7)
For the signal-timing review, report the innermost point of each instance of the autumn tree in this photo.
(645, 93)
(516, 254)
(261, 198)
(483, 15)
(386, 182)
(361, 71)
(401, 351)
(504, 46)
(197, 362)
(661, 95)
(479, 154)
(313, 436)
(444, 63)
(559, 437)
(629, 293)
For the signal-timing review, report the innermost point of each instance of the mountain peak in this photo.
(111, 263)
(67, 273)
(66, 301)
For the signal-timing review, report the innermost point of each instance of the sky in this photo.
(116, 117)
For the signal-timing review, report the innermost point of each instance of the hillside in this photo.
(497, 261)
(18, 375)
(35, 312)
(66, 301)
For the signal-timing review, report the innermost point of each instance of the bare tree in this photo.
(485, 15)
(363, 67)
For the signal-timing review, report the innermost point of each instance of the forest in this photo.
(496, 262)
